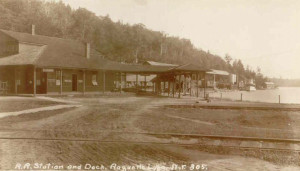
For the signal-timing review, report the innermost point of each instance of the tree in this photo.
(258, 70)
(228, 59)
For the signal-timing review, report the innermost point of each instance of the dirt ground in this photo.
(108, 123)
(251, 123)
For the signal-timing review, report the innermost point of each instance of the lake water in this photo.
(287, 95)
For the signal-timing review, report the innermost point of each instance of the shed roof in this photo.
(189, 68)
(153, 63)
(218, 72)
(132, 68)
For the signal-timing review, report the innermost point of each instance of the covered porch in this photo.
(165, 81)
(32, 80)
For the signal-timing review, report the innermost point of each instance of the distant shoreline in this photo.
(284, 95)
(289, 86)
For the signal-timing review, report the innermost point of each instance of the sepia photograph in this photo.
(150, 85)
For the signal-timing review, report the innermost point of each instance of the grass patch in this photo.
(18, 105)
(7, 121)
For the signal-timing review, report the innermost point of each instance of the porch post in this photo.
(125, 80)
(179, 85)
(214, 81)
(164, 87)
(169, 88)
(184, 85)
(145, 86)
(153, 86)
(136, 82)
(204, 84)
(34, 80)
(121, 80)
(158, 85)
(16, 85)
(103, 81)
(197, 84)
(191, 76)
(61, 82)
(173, 89)
(83, 81)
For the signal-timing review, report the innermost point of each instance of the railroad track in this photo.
(273, 144)
(288, 140)
(140, 142)
(272, 108)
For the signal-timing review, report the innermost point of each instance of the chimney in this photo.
(33, 30)
(88, 50)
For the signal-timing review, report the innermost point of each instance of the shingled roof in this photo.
(28, 57)
(65, 53)
(56, 52)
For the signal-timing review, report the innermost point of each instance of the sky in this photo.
(262, 33)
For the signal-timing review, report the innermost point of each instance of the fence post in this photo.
(279, 98)
(241, 96)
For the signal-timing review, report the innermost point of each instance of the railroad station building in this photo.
(35, 64)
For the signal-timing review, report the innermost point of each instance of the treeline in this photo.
(116, 40)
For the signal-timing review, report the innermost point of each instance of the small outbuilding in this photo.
(218, 78)
(269, 85)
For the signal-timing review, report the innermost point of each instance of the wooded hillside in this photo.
(115, 40)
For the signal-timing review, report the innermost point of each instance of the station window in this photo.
(57, 78)
(94, 80)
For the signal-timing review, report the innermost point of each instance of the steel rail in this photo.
(216, 136)
(149, 142)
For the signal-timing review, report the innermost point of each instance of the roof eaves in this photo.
(31, 43)
(35, 62)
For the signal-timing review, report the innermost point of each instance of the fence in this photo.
(258, 96)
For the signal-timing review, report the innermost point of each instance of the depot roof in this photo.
(53, 52)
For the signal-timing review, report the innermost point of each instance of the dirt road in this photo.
(108, 120)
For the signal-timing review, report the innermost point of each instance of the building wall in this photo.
(98, 84)
(7, 76)
(109, 80)
(25, 75)
(54, 78)
(18, 78)
(93, 81)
